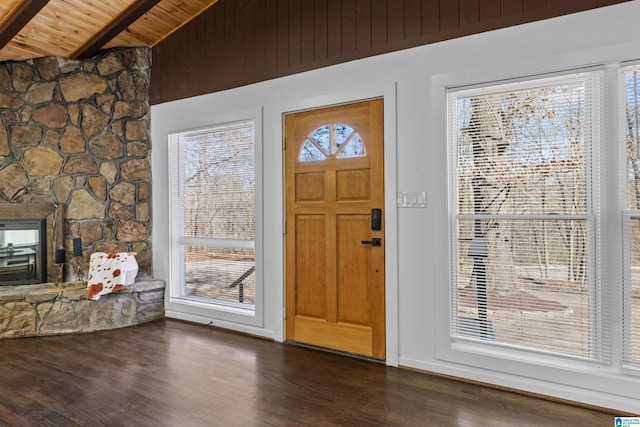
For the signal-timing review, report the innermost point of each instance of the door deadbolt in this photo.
(376, 219)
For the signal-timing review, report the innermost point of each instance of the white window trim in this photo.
(549, 373)
(627, 216)
(210, 311)
(503, 350)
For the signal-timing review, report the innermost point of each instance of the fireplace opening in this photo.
(23, 251)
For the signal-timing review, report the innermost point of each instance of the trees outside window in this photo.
(213, 214)
(522, 205)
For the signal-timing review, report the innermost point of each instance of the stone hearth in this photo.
(34, 310)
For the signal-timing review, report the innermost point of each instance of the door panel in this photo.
(334, 177)
(339, 336)
(353, 185)
(310, 187)
(310, 268)
(354, 265)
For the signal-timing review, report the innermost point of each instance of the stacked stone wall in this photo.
(76, 133)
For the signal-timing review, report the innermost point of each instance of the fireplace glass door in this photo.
(22, 252)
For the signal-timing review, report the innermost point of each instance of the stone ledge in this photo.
(36, 310)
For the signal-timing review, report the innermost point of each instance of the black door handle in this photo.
(376, 241)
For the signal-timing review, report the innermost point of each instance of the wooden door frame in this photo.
(388, 94)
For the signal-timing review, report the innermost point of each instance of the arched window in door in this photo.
(334, 140)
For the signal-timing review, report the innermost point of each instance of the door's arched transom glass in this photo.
(334, 140)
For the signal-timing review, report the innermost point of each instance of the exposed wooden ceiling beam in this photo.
(115, 27)
(18, 18)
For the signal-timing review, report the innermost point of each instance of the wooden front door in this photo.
(334, 253)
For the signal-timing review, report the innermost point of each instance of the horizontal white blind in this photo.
(523, 237)
(219, 182)
(213, 212)
(631, 307)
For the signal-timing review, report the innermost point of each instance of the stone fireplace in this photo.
(74, 148)
(76, 134)
(30, 260)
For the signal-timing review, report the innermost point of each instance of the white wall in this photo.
(412, 83)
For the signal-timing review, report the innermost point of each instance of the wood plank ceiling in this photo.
(80, 28)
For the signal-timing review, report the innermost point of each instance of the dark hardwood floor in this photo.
(170, 373)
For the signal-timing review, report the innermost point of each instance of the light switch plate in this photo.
(412, 199)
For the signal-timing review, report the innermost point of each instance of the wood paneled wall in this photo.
(238, 42)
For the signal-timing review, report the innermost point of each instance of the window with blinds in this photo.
(213, 214)
(631, 299)
(522, 228)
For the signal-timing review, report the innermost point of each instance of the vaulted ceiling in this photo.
(80, 28)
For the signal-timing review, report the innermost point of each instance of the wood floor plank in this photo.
(171, 373)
